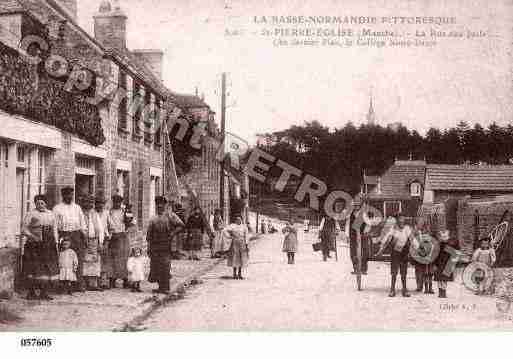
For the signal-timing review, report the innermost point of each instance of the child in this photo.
(290, 242)
(445, 264)
(129, 219)
(68, 266)
(423, 271)
(485, 255)
(136, 269)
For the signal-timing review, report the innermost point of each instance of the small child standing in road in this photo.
(290, 242)
(136, 266)
(445, 263)
(485, 255)
(68, 266)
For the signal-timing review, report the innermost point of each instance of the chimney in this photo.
(71, 8)
(153, 59)
(110, 25)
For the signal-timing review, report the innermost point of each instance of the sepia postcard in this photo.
(255, 166)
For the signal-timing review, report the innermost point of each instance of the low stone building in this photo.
(399, 190)
(445, 182)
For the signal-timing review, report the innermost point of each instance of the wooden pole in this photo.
(359, 260)
(190, 191)
(223, 134)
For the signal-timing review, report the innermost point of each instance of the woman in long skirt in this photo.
(119, 244)
(219, 246)
(445, 261)
(290, 242)
(328, 234)
(195, 230)
(40, 258)
(238, 255)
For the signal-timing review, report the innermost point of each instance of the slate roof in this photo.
(395, 182)
(125, 57)
(469, 178)
(142, 71)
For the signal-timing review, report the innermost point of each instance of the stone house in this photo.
(469, 201)
(399, 190)
(204, 175)
(407, 184)
(101, 138)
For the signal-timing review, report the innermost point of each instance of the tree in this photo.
(339, 157)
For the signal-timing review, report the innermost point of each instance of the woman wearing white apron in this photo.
(220, 245)
(238, 255)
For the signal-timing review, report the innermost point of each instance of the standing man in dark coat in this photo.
(178, 242)
(445, 263)
(328, 234)
(161, 229)
(354, 232)
(195, 231)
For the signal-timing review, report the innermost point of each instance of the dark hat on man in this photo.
(160, 199)
(117, 198)
(99, 200)
(67, 190)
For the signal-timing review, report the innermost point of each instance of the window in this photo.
(22, 176)
(4, 178)
(123, 184)
(123, 107)
(159, 124)
(85, 177)
(415, 189)
(137, 106)
(85, 165)
(149, 118)
(20, 154)
(23, 182)
(392, 208)
(154, 191)
(41, 160)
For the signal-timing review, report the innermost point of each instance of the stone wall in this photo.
(470, 220)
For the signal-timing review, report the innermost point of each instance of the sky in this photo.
(271, 88)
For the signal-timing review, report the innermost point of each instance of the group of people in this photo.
(86, 247)
(267, 227)
(401, 239)
(191, 238)
(75, 244)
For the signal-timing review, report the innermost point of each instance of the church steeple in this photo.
(371, 116)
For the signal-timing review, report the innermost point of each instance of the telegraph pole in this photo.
(223, 134)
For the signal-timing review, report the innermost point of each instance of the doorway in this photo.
(84, 186)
